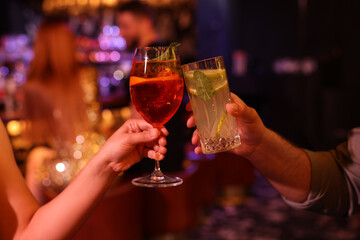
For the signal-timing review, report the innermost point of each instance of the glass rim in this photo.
(203, 60)
(152, 47)
(158, 49)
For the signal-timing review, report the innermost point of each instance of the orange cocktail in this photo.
(156, 90)
(157, 93)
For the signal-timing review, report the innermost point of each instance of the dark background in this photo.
(315, 111)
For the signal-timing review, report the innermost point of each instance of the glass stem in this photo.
(157, 175)
(157, 166)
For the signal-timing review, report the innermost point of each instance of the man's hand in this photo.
(249, 125)
(133, 140)
(284, 165)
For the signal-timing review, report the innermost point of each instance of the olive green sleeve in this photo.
(335, 181)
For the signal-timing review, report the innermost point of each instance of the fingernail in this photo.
(153, 133)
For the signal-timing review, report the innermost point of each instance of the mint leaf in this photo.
(169, 53)
(203, 86)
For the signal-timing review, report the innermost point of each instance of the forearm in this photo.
(60, 218)
(284, 165)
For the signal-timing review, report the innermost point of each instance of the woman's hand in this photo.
(133, 140)
(249, 125)
(21, 216)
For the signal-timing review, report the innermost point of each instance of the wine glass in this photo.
(156, 90)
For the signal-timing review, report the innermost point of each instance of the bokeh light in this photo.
(60, 167)
(15, 127)
(4, 71)
(115, 56)
(104, 82)
(77, 154)
(80, 139)
(118, 75)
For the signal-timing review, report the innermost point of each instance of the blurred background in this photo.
(294, 61)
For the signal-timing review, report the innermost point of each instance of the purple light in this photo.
(115, 56)
(120, 43)
(4, 71)
(126, 66)
(107, 30)
(19, 78)
(104, 82)
(101, 56)
(193, 156)
(104, 44)
(115, 82)
(104, 91)
(107, 56)
(115, 31)
(22, 40)
(209, 156)
(28, 55)
(10, 45)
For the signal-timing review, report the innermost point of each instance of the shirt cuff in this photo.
(320, 162)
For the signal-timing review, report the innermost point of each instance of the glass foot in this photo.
(157, 181)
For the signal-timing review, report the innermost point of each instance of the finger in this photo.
(198, 150)
(164, 131)
(162, 141)
(162, 150)
(153, 154)
(135, 125)
(143, 137)
(240, 110)
(195, 138)
(142, 124)
(190, 122)
(156, 148)
(188, 107)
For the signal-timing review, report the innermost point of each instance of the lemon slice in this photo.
(217, 77)
(221, 86)
(136, 80)
(214, 73)
(217, 88)
(218, 128)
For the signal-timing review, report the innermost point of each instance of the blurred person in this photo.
(323, 181)
(21, 216)
(136, 22)
(54, 103)
(53, 98)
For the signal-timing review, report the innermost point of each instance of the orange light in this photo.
(15, 127)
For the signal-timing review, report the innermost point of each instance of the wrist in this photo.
(262, 148)
(103, 166)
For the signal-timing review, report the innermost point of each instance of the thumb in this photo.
(143, 137)
(240, 110)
